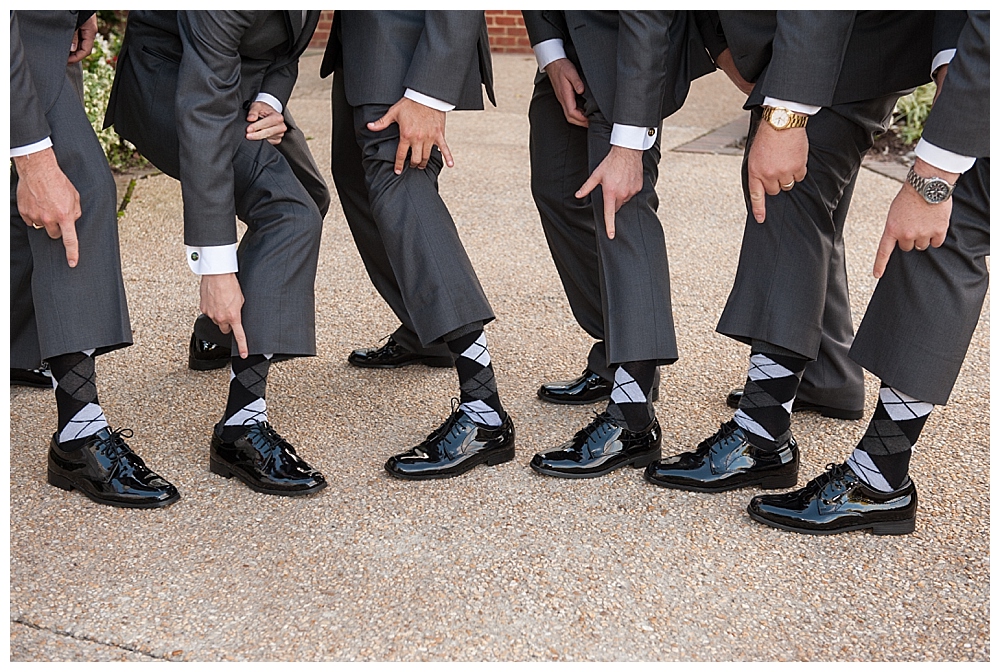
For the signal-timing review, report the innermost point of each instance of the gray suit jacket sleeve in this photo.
(540, 28)
(27, 117)
(441, 61)
(209, 124)
(960, 119)
(807, 56)
(641, 76)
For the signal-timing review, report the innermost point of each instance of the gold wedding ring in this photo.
(36, 226)
(788, 186)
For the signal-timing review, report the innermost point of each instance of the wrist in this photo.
(933, 185)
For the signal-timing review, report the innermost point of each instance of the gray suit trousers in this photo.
(559, 166)
(791, 283)
(349, 177)
(919, 323)
(434, 289)
(56, 309)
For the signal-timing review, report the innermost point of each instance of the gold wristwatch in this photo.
(781, 118)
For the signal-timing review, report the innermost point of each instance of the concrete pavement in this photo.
(500, 564)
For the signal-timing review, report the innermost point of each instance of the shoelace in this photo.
(117, 450)
(267, 441)
(835, 474)
(598, 419)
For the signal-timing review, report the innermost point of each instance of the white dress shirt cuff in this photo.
(212, 260)
(432, 103)
(548, 51)
(24, 150)
(801, 108)
(633, 137)
(942, 158)
(270, 100)
(943, 58)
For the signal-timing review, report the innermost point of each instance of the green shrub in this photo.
(911, 112)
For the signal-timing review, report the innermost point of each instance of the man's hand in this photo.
(420, 128)
(47, 199)
(620, 177)
(777, 161)
(222, 301)
(83, 40)
(728, 66)
(912, 222)
(566, 83)
(266, 123)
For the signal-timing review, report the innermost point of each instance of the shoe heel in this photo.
(220, 469)
(499, 458)
(780, 482)
(646, 460)
(60, 482)
(895, 527)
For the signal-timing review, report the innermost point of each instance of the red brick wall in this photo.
(506, 29)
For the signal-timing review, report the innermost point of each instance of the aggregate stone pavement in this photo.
(500, 564)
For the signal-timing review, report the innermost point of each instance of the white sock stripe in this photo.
(90, 353)
(751, 425)
(87, 421)
(269, 356)
(478, 352)
(788, 405)
(866, 470)
(254, 412)
(482, 413)
(900, 406)
(763, 367)
(626, 390)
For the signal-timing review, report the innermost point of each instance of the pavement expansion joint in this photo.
(85, 638)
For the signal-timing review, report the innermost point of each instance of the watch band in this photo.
(934, 190)
(781, 118)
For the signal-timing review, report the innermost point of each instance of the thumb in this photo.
(384, 122)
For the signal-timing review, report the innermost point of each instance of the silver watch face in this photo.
(936, 190)
(779, 118)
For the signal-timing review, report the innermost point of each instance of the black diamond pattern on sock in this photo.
(76, 385)
(477, 384)
(630, 394)
(248, 385)
(889, 443)
(772, 381)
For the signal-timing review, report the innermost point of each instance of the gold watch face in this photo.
(779, 118)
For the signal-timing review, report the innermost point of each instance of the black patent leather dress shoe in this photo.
(838, 501)
(726, 461)
(39, 377)
(600, 448)
(265, 462)
(588, 388)
(106, 470)
(454, 448)
(736, 394)
(205, 356)
(392, 356)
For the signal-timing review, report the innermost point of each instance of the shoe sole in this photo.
(884, 528)
(64, 483)
(765, 483)
(654, 397)
(640, 462)
(39, 385)
(224, 471)
(435, 362)
(207, 364)
(491, 460)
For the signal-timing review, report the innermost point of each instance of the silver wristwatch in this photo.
(933, 189)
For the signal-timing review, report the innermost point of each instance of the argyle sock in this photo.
(882, 457)
(765, 410)
(246, 404)
(478, 397)
(75, 383)
(630, 402)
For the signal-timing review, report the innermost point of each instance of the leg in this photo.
(790, 285)
(67, 316)
(914, 336)
(638, 322)
(348, 175)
